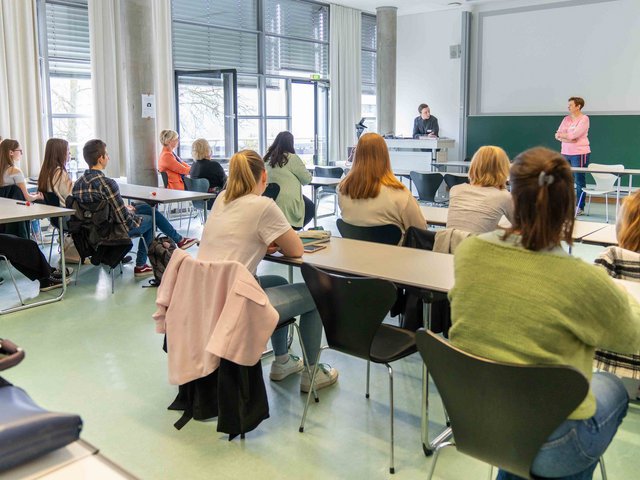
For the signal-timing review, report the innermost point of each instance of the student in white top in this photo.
(53, 173)
(244, 226)
(10, 173)
(371, 195)
(478, 207)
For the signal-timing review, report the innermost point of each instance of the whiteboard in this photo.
(532, 59)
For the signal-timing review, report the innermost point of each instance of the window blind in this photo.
(68, 38)
(368, 55)
(295, 18)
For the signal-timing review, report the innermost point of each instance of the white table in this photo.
(17, 211)
(605, 236)
(78, 461)
(463, 166)
(403, 266)
(316, 183)
(154, 196)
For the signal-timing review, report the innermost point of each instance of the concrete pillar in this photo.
(137, 38)
(387, 24)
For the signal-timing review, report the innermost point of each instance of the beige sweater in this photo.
(391, 206)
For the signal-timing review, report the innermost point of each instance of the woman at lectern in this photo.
(425, 123)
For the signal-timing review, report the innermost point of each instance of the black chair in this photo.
(452, 180)
(352, 311)
(165, 179)
(328, 172)
(388, 234)
(427, 185)
(500, 413)
(20, 229)
(272, 191)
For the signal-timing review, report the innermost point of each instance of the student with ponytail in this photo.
(520, 298)
(244, 226)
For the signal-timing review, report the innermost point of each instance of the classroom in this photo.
(424, 214)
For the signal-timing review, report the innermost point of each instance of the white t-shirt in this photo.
(241, 230)
(12, 176)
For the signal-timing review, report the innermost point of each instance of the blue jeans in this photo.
(146, 230)
(291, 300)
(579, 178)
(573, 449)
(162, 223)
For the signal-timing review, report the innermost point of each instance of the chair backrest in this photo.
(272, 191)
(605, 181)
(20, 229)
(427, 184)
(197, 185)
(389, 234)
(452, 180)
(351, 309)
(52, 199)
(328, 172)
(500, 413)
(11, 191)
(165, 179)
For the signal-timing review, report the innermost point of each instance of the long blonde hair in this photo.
(245, 169)
(629, 223)
(490, 167)
(371, 169)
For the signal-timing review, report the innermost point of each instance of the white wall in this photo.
(426, 74)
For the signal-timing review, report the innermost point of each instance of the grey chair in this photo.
(452, 180)
(51, 198)
(352, 311)
(196, 185)
(500, 413)
(388, 234)
(328, 172)
(427, 185)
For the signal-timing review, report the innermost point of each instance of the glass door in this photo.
(310, 120)
(206, 107)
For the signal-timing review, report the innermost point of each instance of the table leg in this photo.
(314, 194)
(424, 417)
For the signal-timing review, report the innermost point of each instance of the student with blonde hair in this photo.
(478, 206)
(169, 162)
(519, 297)
(371, 195)
(244, 226)
(204, 167)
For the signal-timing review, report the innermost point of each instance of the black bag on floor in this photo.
(159, 254)
(28, 431)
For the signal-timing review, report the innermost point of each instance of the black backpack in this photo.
(160, 252)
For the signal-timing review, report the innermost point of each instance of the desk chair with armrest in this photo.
(352, 311)
(500, 413)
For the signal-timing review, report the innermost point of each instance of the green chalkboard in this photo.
(613, 138)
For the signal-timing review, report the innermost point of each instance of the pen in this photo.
(21, 203)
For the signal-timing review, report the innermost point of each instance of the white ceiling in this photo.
(411, 6)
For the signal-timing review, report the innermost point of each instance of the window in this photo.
(64, 47)
(369, 72)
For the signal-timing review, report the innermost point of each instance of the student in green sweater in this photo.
(520, 298)
(288, 170)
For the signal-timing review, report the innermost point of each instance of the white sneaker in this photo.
(325, 377)
(280, 371)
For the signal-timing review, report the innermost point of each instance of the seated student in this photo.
(520, 298)
(287, 169)
(371, 195)
(53, 173)
(25, 255)
(204, 167)
(95, 186)
(169, 162)
(244, 226)
(10, 173)
(478, 207)
(623, 262)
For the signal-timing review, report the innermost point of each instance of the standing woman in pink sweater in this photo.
(573, 132)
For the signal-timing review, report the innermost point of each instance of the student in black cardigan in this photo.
(204, 167)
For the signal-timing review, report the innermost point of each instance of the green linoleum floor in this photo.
(97, 354)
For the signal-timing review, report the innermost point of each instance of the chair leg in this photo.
(305, 359)
(113, 280)
(603, 472)
(51, 244)
(589, 205)
(436, 455)
(606, 207)
(313, 381)
(368, 376)
(78, 271)
(13, 280)
(490, 472)
(392, 468)
(188, 225)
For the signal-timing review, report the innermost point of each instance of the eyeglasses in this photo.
(17, 150)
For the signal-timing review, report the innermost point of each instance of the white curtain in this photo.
(345, 72)
(164, 79)
(107, 82)
(21, 112)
